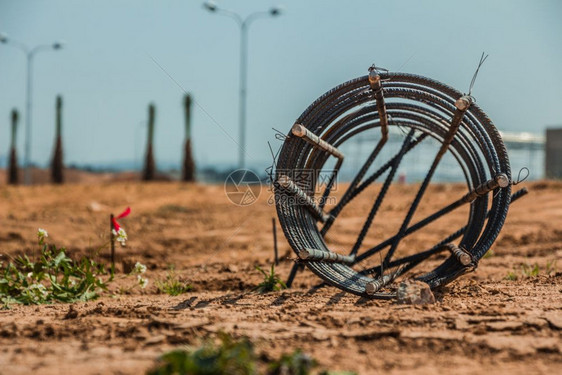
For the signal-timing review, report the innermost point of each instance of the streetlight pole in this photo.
(243, 23)
(29, 54)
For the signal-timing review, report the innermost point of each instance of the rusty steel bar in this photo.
(461, 254)
(376, 86)
(291, 187)
(326, 256)
(275, 250)
(462, 104)
(302, 132)
(500, 181)
(417, 258)
(379, 283)
(382, 193)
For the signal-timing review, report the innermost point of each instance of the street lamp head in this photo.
(3, 38)
(276, 10)
(58, 44)
(210, 5)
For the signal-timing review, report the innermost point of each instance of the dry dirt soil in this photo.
(480, 323)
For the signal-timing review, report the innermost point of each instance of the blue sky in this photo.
(107, 75)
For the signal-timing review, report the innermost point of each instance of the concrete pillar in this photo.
(553, 153)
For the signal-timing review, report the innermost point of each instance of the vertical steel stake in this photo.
(112, 241)
(275, 253)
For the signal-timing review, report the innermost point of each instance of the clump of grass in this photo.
(172, 284)
(233, 356)
(550, 267)
(54, 277)
(271, 281)
(296, 363)
(142, 282)
(532, 270)
(230, 356)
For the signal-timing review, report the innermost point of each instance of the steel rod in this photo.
(275, 250)
(330, 184)
(303, 198)
(338, 208)
(112, 244)
(302, 132)
(292, 274)
(379, 283)
(439, 247)
(376, 86)
(381, 195)
(357, 179)
(499, 181)
(460, 254)
(326, 256)
(462, 105)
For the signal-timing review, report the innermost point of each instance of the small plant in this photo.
(271, 281)
(117, 234)
(53, 278)
(172, 285)
(230, 356)
(141, 282)
(530, 270)
(296, 363)
(490, 253)
(550, 267)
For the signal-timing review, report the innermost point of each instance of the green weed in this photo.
(550, 267)
(530, 270)
(271, 281)
(172, 285)
(230, 356)
(296, 363)
(54, 277)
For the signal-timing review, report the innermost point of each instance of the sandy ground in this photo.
(480, 323)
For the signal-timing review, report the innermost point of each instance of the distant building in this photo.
(553, 153)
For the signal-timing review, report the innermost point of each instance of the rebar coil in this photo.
(413, 102)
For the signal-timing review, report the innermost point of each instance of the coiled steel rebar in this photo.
(429, 109)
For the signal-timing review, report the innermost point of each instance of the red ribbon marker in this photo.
(123, 214)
